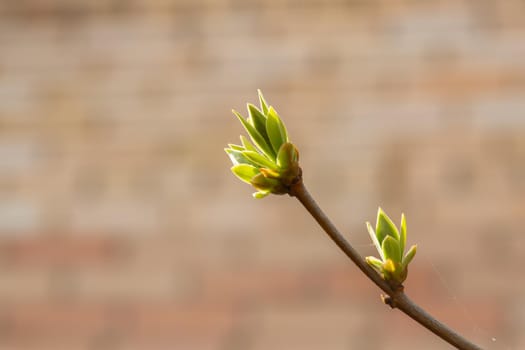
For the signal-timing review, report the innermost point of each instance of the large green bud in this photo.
(267, 161)
(390, 244)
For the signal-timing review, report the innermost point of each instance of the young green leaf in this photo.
(390, 249)
(409, 256)
(275, 129)
(385, 226)
(375, 263)
(245, 172)
(247, 144)
(403, 233)
(258, 120)
(259, 159)
(237, 157)
(236, 147)
(256, 137)
(264, 105)
(374, 239)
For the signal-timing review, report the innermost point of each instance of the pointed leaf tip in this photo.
(403, 233)
(373, 237)
(385, 227)
(236, 147)
(374, 262)
(409, 255)
(237, 157)
(262, 101)
(276, 130)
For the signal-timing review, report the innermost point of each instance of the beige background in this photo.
(122, 228)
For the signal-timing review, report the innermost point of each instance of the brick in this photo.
(121, 226)
(143, 322)
(300, 325)
(59, 251)
(161, 321)
(20, 215)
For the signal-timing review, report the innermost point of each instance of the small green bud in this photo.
(390, 244)
(288, 156)
(375, 263)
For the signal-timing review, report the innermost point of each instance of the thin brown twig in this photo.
(397, 298)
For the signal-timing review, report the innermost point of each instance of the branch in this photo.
(397, 298)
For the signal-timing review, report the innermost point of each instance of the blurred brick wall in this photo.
(122, 228)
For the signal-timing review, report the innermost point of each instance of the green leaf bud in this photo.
(272, 162)
(390, 244)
